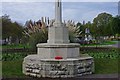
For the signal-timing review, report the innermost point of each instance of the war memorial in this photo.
(58, 57)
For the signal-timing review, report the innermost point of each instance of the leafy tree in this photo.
(115, 24)
(10, 28)
(101, 24)
(6, 24)
(81, 27)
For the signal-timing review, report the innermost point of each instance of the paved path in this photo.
(100, 76)
(86, 77)
(117, 44)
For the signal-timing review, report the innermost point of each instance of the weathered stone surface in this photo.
(69, 67)
(50, 51)
(58, 34)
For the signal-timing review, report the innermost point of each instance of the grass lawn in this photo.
(102, 66)
(109, 42)
(12, 69)
(106, 66)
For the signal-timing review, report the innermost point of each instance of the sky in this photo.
(62, 0)
(79, 11)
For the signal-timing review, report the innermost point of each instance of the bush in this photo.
(13, 56)
(71, 37)
(38, 37)
(104, 54)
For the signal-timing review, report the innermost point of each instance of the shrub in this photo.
(38, 37)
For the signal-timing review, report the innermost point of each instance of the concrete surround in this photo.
(44, 64)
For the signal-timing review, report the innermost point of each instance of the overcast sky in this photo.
(61, 0)
(22, 10)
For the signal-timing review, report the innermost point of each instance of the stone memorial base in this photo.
(65, 50)
(71, 67)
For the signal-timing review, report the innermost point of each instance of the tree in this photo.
(101, 24)
(11, 29)
(6, 23)
(115, 24)
(81, 27)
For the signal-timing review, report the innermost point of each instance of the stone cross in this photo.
(58, 33)
(58, 14)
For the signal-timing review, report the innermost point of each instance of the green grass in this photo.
(109, 42)
(12, 69)
(106, 66)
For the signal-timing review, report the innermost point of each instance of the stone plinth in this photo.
(58, 34)
(50, 51)
(70, 67)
